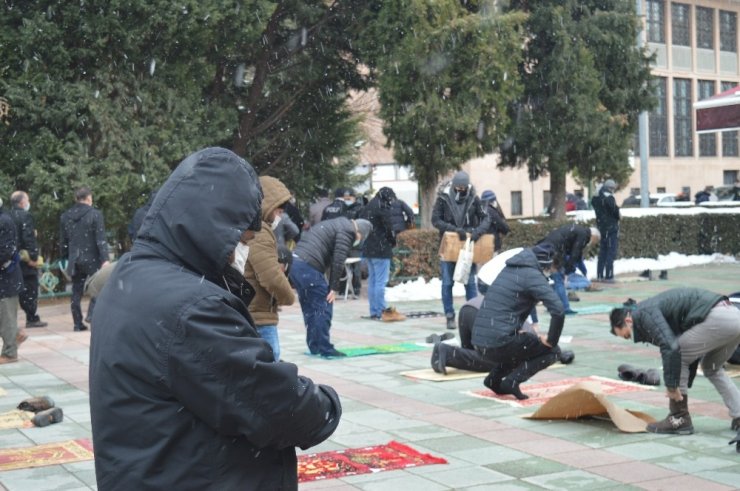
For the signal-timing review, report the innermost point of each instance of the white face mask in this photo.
(27, 207)
(356, 243)
(276, 221)
(241, 253)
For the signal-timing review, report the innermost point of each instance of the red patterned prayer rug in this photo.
(542, 392)
(353, 461)
(47, 454)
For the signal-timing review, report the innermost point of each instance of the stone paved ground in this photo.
(488, 445)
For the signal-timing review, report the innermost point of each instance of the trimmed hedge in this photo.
(649, 236)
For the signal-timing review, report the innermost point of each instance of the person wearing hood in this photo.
(263, 270)
(184, 393)
(499, 228)
(502, 347)
(690, 326)
(378, 251)
(322, 252)
(607, 221)
(458, 209)
(83, 244)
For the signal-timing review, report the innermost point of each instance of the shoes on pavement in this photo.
(48, 417)
(6, 359)
(451, 321)
(570, 312)
(572, 297)
(333, 353)
(646, 274)
(439, 358)
(566, 357)
(81, 327)
(36, 404)
(663, 274)
(437, 338)
(36, 323)
(392, 315)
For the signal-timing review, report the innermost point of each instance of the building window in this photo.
(655, 20)
(728, 31)
(729, 138)
(682, 142)
(547, 201)
(708, 141)
(660, 189)
(729, 177)
(704, 28)
(659, 120)
(680, 24)
(516, 203)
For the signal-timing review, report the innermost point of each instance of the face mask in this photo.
(27, 207)
(240, 257)
(276, 221)
(356, 243)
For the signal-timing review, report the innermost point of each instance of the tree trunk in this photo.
(428, 195)
(557, 192)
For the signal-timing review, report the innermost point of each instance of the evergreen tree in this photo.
(585, 81)
(446, 71)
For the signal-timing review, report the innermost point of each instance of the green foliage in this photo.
(585, 82)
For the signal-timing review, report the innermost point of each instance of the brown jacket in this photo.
(263, 271)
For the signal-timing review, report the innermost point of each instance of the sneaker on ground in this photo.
(37, 323)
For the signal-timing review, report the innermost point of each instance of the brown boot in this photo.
(678, 422)
(392, 315)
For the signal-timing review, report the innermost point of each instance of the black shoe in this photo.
(48, 417)
(436, 338)
(566, 357)
(511, 387)
(81, 327)
(646, 274)
(333, 353)
(570, 312)
(36, 323)
(663, 274)
(439, 359)
(735, 424)
(451, 322)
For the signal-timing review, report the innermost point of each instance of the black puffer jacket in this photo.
(448, 215)
(26, 236)
(607, 211)
(402, 216)
(382, 239)
(510, 299)
(184, 394)
(11, 280)
(661, 319)
(326, 246)
(569, 242)
(82, 239)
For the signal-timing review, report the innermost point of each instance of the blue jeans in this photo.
(607, 254)
(558, 279)
(448, 269)
(269, 334)
(578, 282)
(378, 271)
(312, 290)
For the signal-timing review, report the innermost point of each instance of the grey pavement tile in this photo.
(492, 454)
(416, 433)
(460, 476)
(354, 440)
(503, 486)
(447, 445)
(528, 467)
(407, 482)
(571, 480)
(39, 382)
(49, 478)
(646, 450)
(13, 438)
(693, 463)
(725, 475)
(380, 418)
(66, 430)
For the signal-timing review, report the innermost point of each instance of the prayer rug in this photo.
(47, 454)
(595, 309)
(542, 392)
(350, 462)
(16, 419)
(380, 349)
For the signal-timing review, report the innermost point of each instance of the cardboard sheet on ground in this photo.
(452, 374)
(588, 399)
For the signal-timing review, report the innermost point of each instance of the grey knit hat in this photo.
(610, 184)
(460, 179)
(364, 227)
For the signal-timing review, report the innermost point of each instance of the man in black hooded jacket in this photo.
(184, 394)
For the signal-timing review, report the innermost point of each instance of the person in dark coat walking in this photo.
(184, 394)
(569, 242)
(324, 248)
(499, 228)
(510, 354)
(26, 233)
(689, 325)
(607, 221)
(458, 210)
(378, 251)
(82, 242)
(11, 284)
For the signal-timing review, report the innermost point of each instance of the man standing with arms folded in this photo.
(82, 242)
(26, 233)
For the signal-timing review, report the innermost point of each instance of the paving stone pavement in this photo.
(488, 445)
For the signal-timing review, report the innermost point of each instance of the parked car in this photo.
(725, 193)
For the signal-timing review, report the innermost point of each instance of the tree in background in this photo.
(446, 73)
(114, 94)
(585, 81)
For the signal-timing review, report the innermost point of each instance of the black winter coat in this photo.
(569, 242)
(381, 241)
(402, 216)
(510, 299)
(82, 239)
(337, 208)
(184, 394)
(26, 236)
(607, 212)
(11, 279)
(448, 215)
(498, 227)
(661, 319)
(326, 246)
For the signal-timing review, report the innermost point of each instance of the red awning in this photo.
(719, 113)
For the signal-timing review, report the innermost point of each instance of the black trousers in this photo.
(78, 288)
(29, 296)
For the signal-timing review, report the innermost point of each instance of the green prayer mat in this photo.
(380, 349)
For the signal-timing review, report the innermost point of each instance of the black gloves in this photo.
(475, 236)
(462, 233)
